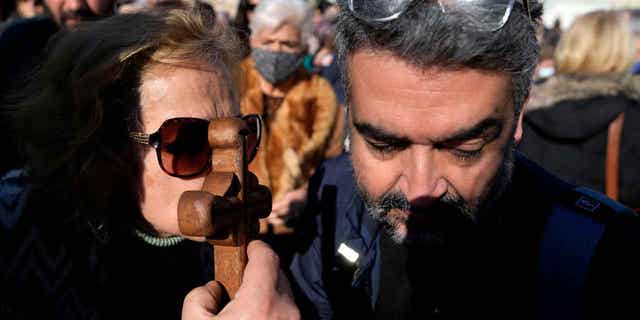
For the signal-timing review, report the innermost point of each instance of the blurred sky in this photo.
(567, 10)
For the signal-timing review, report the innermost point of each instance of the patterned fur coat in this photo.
(304, 130)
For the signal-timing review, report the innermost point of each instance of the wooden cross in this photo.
(227, 209)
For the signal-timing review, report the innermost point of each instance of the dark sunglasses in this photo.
(182, 144)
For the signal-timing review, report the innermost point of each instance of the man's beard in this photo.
(447, 219)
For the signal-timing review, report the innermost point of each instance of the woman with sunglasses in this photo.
(115, 129)
(299, 109)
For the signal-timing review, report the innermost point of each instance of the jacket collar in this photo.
(360, 230)
(360, 227)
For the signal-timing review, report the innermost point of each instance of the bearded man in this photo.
(434, 214)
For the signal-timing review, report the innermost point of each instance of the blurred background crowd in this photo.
(582, 121)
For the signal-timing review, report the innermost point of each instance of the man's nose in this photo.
(74, 5)
(424, 176)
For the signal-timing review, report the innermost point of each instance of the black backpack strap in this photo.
(570, 238)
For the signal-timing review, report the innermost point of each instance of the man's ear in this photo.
(517, 136)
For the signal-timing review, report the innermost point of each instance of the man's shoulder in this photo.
(43, 27)
(587, 246)
(588, 250)
(614, 266)
(23, 40)
(540, 185)
(574, 220)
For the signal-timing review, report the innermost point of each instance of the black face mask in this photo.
(276, 66)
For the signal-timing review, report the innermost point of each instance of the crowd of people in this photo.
(417, 153)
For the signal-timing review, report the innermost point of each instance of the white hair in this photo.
(275, 13)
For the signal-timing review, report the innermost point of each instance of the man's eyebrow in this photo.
(379, 134)
(475, 132)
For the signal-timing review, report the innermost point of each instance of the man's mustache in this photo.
(447, 203)
(441, 221)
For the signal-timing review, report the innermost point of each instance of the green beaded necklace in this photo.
(158, 241)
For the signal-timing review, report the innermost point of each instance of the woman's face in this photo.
(171, 92)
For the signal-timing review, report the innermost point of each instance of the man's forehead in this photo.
(397, 71)
(388, 93)
(386, 59)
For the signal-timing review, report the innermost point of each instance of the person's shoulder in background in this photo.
(18, 37)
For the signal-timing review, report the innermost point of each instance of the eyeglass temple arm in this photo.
(138, 137)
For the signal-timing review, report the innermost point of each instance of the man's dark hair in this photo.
(426, 37)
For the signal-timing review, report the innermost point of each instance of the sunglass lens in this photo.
(185, 147)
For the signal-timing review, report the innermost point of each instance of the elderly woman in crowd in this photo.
(115, 129)
(587, 117)
(299, 109)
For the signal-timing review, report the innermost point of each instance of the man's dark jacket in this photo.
(549, 251)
